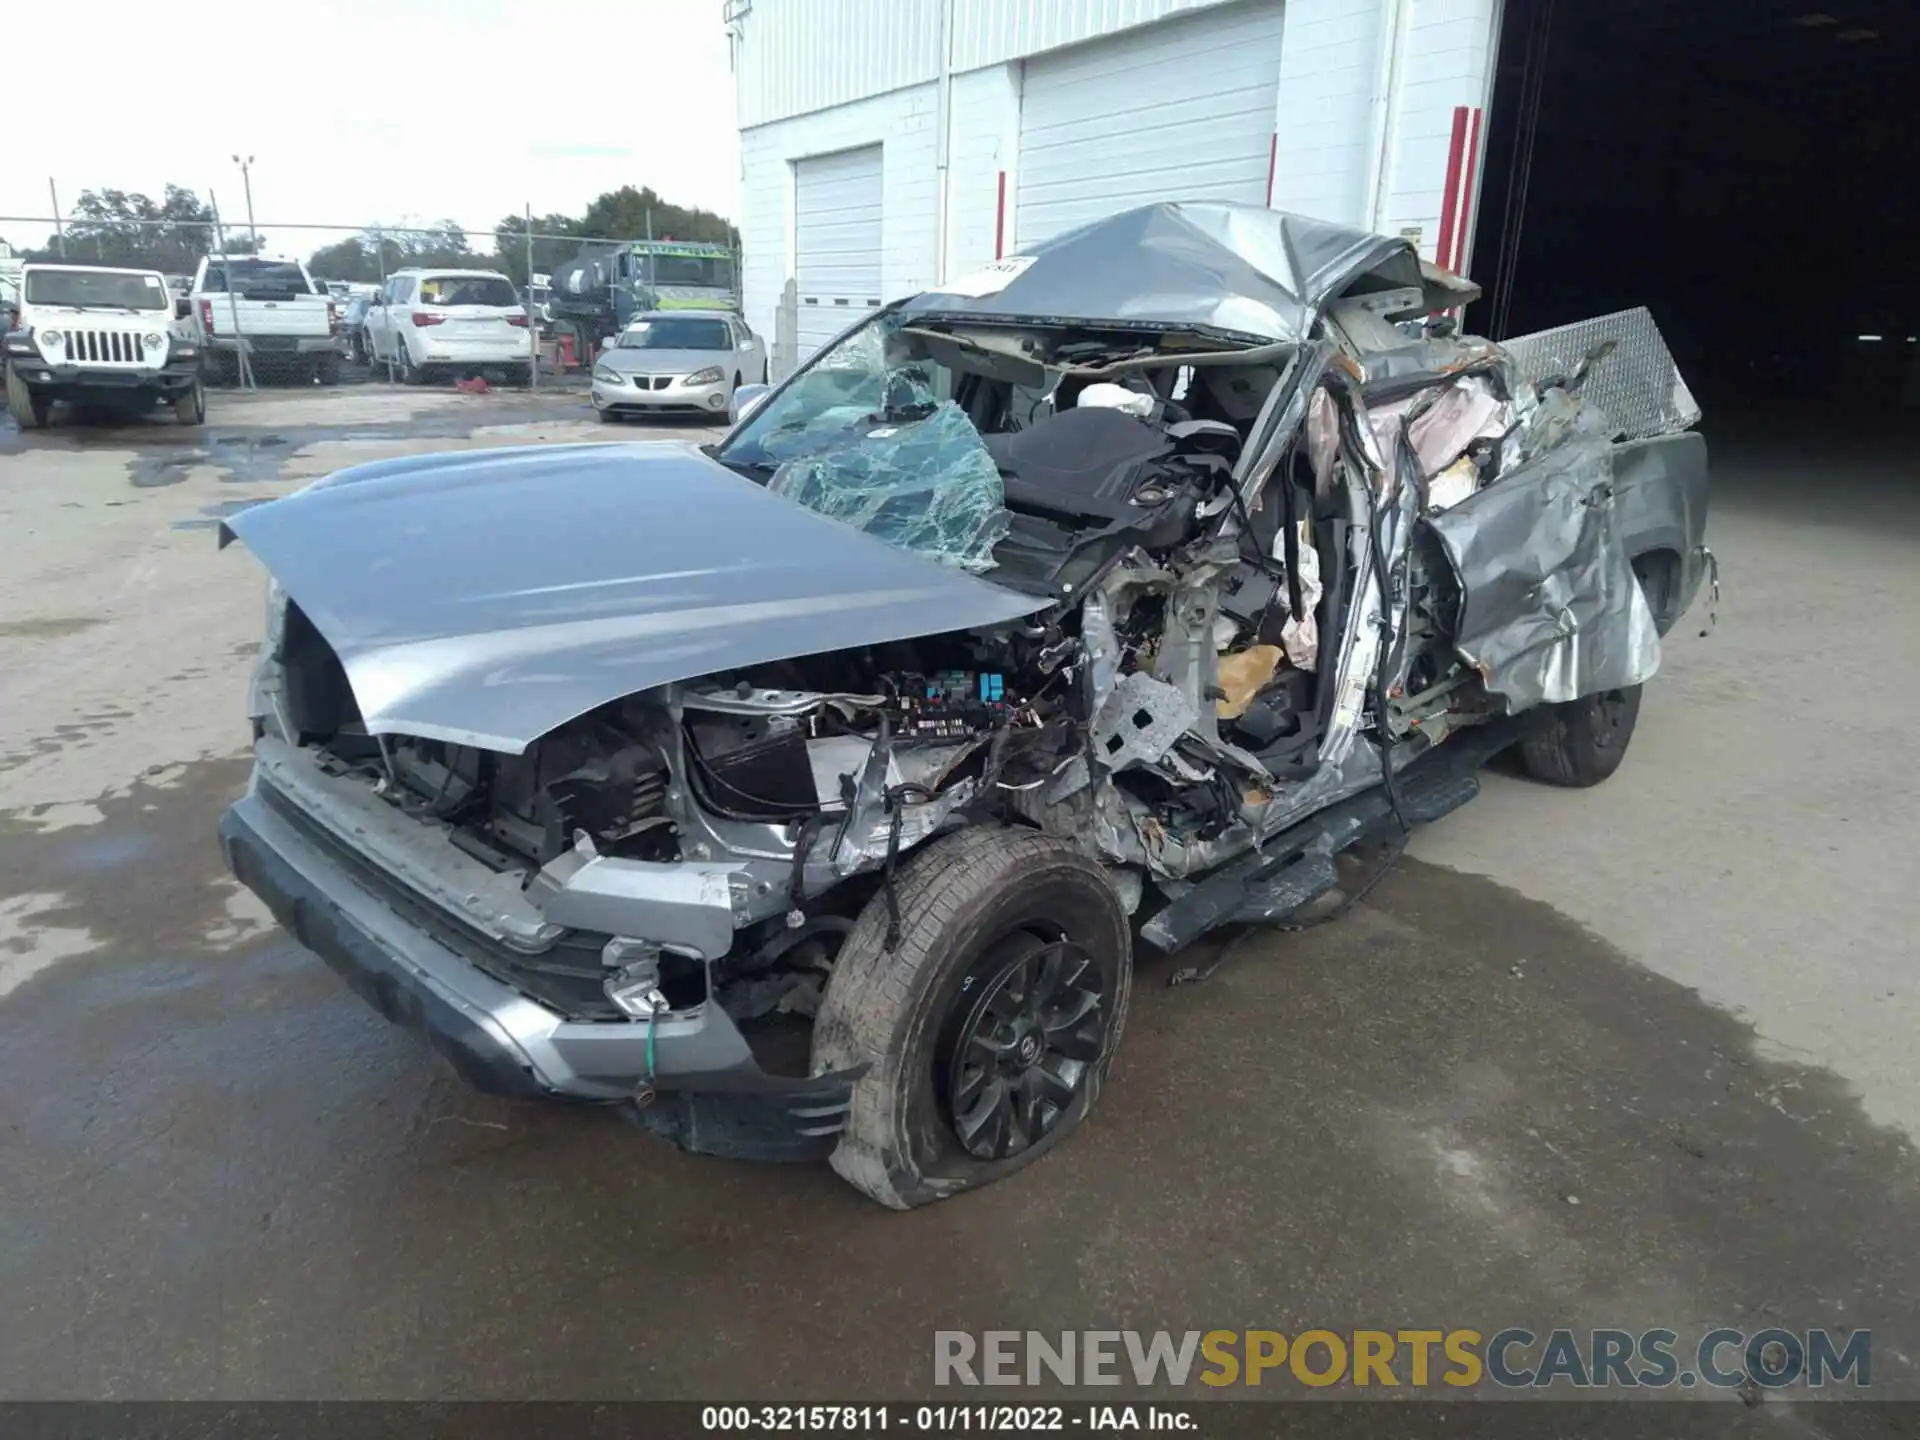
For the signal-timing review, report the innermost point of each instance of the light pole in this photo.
(246, 181)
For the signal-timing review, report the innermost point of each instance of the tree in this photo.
(623, 214)
(556, 241)
(378, 251)
(630, 214)
(120, 227)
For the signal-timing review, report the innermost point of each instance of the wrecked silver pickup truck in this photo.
(806, 795)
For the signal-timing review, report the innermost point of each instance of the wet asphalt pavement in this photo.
(225, 1176)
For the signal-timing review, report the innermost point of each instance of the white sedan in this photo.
(687, 360)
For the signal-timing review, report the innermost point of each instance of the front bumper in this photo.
(707, 399)
(713, 1095)
(174, 376)
(431, 350)
(268, 346)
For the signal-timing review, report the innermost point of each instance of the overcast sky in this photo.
(372, 110)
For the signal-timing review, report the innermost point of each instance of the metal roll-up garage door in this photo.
(1182, 110)
(836, 242)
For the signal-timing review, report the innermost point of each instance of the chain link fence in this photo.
(306, 303)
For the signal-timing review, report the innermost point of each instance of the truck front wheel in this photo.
(190, 405)
(988, 1026)
(28, 408)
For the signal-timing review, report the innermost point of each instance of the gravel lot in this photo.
(1642, 1055)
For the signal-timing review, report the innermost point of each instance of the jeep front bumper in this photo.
(168, 379)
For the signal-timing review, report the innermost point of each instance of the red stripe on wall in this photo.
(1459, 262)
(1450, 195)
(1000, 219)
(1273, 161)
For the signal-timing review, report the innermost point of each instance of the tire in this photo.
(1581, 742)
(190, 405)
(984, 913)
(29, 410)
(520, 376)
(357, 348)
(410, 373)
(327, 370)
(608, 417)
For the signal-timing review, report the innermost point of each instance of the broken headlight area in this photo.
(694, 842)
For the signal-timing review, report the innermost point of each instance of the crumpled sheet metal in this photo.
(1550, 607)
(928, 486)
(1139, 722)
(1637, 387)
(1243, 269)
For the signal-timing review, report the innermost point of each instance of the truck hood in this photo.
(486, 597)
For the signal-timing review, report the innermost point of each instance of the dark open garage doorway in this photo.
(1746, 168)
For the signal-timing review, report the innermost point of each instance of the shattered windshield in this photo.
(869, 435)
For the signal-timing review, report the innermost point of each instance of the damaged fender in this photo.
(1551, 610)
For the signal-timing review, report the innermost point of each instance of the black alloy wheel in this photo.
(982, 1001)
(1019, 1055)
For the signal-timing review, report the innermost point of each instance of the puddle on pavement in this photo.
(167, 455)
(140, 877)
(48, 628)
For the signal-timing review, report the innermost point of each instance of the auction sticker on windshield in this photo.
(989, 279)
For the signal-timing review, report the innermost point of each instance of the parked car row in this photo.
(272, 313)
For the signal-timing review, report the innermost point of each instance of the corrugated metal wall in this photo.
(792, 57)
(820, 76)
(986, 32)
(796, 56)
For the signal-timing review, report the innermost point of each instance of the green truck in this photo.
(603, 287)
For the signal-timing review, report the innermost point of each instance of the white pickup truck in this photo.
(271, 309)
(100, 339)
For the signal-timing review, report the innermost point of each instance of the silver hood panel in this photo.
(486, 597)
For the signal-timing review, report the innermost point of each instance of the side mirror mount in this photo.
(183, 309)
(746, 400)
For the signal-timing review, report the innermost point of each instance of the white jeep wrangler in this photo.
(100, 338)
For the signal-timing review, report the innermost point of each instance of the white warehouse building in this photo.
(887, 145)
